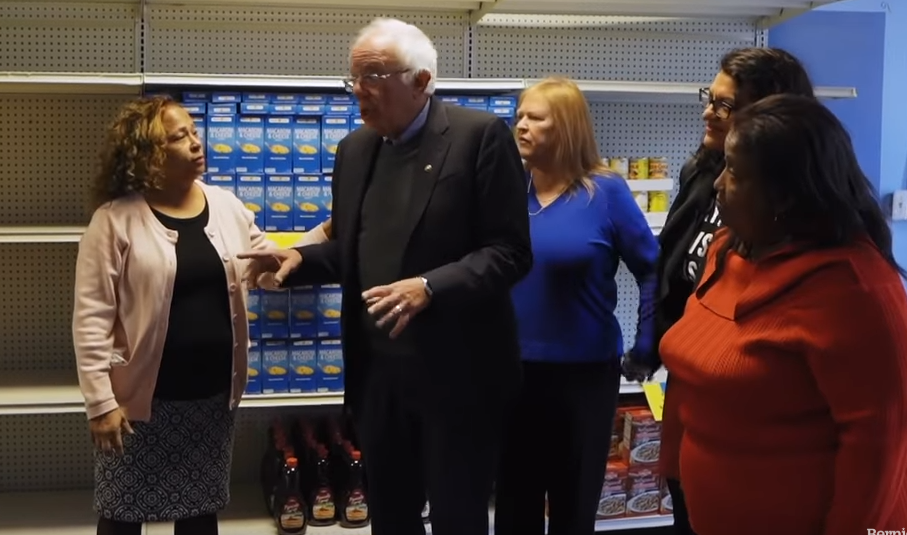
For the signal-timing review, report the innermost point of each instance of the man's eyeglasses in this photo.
(721, 108)
(368, 80)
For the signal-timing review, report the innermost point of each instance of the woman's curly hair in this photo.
(132, 160)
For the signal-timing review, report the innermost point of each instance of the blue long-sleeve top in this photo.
(565, 306)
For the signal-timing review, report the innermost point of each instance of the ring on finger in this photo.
(398, 310)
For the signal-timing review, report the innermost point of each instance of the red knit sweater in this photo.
(789, 395)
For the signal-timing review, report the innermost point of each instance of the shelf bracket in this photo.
(787, 13)
(484, 8)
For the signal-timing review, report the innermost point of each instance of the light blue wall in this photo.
(891, 115)
(845, 49)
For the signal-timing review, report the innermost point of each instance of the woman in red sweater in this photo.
(789, 364)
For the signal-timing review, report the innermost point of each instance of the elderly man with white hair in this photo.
(429, 234)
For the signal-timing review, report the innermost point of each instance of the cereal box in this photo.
(275, 307)
(313, 98)
(303, 366)
(200, 123)
(643, 491)
(222, 109)
(307, 144)
(196, 109)
(283, 109)
(250, 140)
(279, 142)
(275, 364)
(220, 131)
(195, 96)
(253, 312)
(284, 98)
(453, 100)
(303, 311)
(329, 304)
(333, 129)
(502, 102)
(255, 97)
(221, 97)
(307, 201)
(251, 191)
(278, 203)
(613, 500)
(641, 442)
(330, 364)
(477, 102)
(253, 385)
(225, 181)
(667, 504)
(507, 114)
(254, 108)
(327, 199)
(614, 451)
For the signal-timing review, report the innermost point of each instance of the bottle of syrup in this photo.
(289, 505)
(271, 467)
(321, 500)
(355, 513)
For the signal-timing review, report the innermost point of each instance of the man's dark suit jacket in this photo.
(468, 233)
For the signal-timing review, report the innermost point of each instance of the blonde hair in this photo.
(132, 160)
(572, 136)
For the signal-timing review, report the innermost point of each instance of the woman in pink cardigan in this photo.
(159, 325)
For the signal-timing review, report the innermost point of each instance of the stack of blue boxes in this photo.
(275, 152)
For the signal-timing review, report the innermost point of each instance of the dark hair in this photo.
(759, 72)
(806, 165)
(132, 158)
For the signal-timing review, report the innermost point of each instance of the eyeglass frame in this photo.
(369, 79)
(721, 108)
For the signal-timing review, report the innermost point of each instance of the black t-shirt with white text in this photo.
(695, 255)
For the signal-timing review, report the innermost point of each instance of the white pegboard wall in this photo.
(43, 452)
(68, 37)
(637, 130)
(606, 48)
(49, 146)
(54, 451)
(36, 307)
(284, 41)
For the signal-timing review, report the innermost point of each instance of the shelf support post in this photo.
(484, 8)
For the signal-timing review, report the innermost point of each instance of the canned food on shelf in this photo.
(658, 167)
(642, 200)
(621, 166)
(638, 168)
(658, 201)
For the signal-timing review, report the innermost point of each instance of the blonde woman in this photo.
(159, 325)
(584, 221)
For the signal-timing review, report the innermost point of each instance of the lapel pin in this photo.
(428, 168)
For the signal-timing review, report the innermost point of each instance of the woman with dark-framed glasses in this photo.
(746, 75)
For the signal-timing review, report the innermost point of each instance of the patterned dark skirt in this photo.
(175, 466)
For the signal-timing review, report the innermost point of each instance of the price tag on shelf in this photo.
(655, 396)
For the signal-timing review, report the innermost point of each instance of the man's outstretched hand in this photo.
(268, 269)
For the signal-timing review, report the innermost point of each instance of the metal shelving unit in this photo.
(134, 84)
(69, 64)
(73, 516)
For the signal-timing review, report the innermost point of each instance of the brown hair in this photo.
(573, 137)
(132, 159)
(758, 72)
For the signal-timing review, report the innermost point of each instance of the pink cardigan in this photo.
(123, 286)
